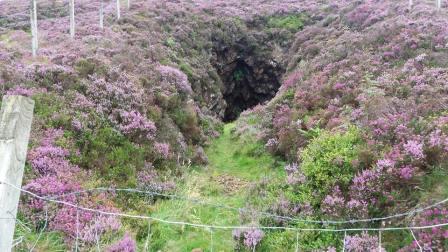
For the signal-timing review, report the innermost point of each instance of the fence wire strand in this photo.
(416, 241)
(210, 226)
(198, 201)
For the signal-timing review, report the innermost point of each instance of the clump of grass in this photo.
(292, 22)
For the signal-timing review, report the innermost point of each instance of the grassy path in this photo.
(234, 166)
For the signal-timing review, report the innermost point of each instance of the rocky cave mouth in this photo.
(247, 82)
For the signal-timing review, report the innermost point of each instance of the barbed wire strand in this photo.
(200, 225)
(297, 241)
(42, 230)
(18, 221)
(416, 241)
(146, 249)
(77, 229)
(96, 233)
(17, 241)
(412, 212)
(211, 239)
(379, 241)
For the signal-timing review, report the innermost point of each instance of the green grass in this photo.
(244, 158)
(293, 22)
(47, 241)
(241, 162)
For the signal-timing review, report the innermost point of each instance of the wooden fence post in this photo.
(15, 125)
(129, 4)
(33, 21)
(118, 9)
(102, 15)
(72, 18)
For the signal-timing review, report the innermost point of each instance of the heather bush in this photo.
(149, 179)
(127, 244)
(434, 239)
(247, 238)
(134, 125)
(362, 242)
(172, 77)
(56, 176)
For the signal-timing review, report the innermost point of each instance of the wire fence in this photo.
(212, 227)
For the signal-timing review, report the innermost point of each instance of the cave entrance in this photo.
(248, 81)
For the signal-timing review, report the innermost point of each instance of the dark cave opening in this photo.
(248, 82)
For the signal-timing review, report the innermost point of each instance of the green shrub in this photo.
(170, 42)
(186, 69)
(86, 67)
(238, 75)
(113, 157)
(187, 121)
(327, 160)
(293, 22)
(45, 107)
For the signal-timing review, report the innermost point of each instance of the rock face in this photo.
(249, 73)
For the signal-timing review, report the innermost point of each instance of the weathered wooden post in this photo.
(439, 4)
(33, 21)
(102, 15)
(15, 125)
(129, 4)
(411, 2)
(118, 9)
(72, 18)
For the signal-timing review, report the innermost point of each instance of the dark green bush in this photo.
(111, 155)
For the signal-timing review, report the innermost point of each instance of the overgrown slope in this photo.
(352, 121)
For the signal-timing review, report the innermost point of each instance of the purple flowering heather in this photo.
(282, 117)
(134, 124)
(249, 238)
(414, 149)
(148, 179)
(172, 76)
(291, 168)
(338, 86)
(362, 242)
(385, 164)
(127, 244)
(407, 172)
(272, 143)
(21, 91)
(163, 149)
(253, 237)
(334, 203)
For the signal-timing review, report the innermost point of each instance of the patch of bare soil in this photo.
(230, 183)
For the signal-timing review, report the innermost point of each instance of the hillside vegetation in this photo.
(254, 114)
